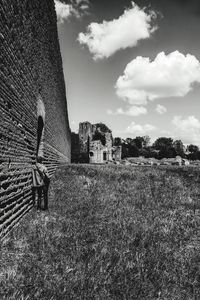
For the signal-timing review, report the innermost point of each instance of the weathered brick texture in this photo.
(32, 94)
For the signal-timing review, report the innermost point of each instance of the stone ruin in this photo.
(88, 148)
(33, 106)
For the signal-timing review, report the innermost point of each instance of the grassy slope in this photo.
(112, 233)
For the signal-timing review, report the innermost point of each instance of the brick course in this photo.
(30, 74)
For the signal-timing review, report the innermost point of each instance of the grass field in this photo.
(112, 232)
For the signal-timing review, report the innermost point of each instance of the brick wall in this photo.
(33, 107)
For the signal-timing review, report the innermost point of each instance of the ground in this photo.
(112, 232)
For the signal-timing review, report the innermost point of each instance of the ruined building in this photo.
(94, 144)
(33, 107)
(86, 132)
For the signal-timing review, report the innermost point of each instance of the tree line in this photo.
(163, 147)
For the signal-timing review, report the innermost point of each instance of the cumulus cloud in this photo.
(132, 111)
(138, 129)
(161, 109)
(63, 11)
(171, 75)
(187, 129)
(104, 39)
(74, 8)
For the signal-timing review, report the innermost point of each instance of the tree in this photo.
(163, 143)
(144, 152)
(146, 142)
(150, 152)
(128, 141)
(133, 151)
(165, 146)
(194, 152)
(193, 148)
(100, 133)
(168, 152)
(129, 149)
(117, 141)
(179, 148)
(125, 150)
(138, 141)
(99, 136)
(102, 127)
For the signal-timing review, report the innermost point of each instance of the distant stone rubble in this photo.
(142, 161)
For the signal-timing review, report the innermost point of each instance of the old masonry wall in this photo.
(33, 107)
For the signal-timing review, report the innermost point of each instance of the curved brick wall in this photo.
(33, 108)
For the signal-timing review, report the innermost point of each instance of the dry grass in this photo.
(112, 232)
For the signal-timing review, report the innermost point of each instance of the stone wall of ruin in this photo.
(33, 107)
(85, 134)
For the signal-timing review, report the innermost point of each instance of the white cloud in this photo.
(171, 75)
(63, 11)
(81, 7)
(74, 126)
(75, 8)
(187, 129)
(161, 109)
(104, 39)
(138, 129)
(132, 111)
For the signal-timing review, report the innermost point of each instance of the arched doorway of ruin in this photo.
(40, 127)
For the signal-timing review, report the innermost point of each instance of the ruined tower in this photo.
(86, 131)
(33, 106)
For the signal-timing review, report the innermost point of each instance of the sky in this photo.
(134, 66)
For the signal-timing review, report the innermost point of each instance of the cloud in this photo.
(161, 109)
(63, 11)
(74, 126)
(75, 8)
(104, 39)
(81, 6)
(132, 111)
(171, 75)
(138, 129)
(187, 129)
